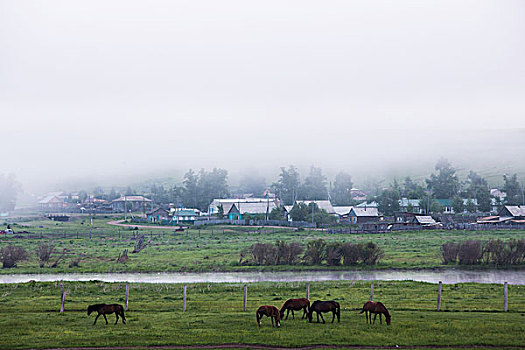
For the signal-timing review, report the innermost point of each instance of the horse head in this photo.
(90, 309)
(387, 317)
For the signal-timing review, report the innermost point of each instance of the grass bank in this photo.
(211, 249)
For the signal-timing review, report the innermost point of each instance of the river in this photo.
(516, 277)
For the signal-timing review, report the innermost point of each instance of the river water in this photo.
(432, 276)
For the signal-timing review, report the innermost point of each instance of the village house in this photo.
(227, 203)
(321, 204)
(363, 215)
(158, 215)
(236, 211)
(133, 203)
(343, 212)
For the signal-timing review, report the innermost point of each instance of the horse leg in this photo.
(287, 313)
(116, 314)
(333, 316)
(96, 319)
(375, 316)
(122, 315)
(304, 313)
(105, 318)
(271, 317)
(380, 319)
(321, 316)
(293, 315)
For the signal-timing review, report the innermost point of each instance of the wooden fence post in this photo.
(506, 297)
(439, 297)
(245, 296)
(63, 297)
(184, 299)
(372, 291)
(127, 298)
(308, 290)
(119, 234)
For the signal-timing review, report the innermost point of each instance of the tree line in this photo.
(494, 252)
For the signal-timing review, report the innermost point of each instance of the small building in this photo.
(425, 220)
(185, 216)
(410, 205)
(228, 202)
(237, 210)
(367, 205)
(343, 212)
(516, 212)
(363, 215)
(133, 203)
(446, 205)
(52, 203)
(158, 215)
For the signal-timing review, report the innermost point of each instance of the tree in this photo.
(8, 192)
(220, 211)
(388, 201)
(341, 191)
(189, 192)
(411, 190)
(277, 214)
(429, 204)
(300, 212)
(513, 190)
(314, 186)
(11, 255)
(288, 184)
(479, 189)
(252, 183)
(457, 204)
(445, 183)
(470, 206)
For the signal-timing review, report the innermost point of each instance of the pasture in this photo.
(471, 315)
(209, 249)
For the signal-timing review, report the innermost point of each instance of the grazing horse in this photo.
(104, 309)
(295, 305)
(325, 306)
(269, 311)
(370, 308)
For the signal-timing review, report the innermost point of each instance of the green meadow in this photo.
(210, 249)
(471, 315)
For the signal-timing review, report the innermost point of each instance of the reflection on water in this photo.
(431, 276)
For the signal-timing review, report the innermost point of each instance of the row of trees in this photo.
(494, 251)
(316, 252)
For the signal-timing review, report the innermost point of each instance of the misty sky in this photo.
(109, 89)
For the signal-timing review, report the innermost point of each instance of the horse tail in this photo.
(258, 317)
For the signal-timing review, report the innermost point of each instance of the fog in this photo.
(112, 92)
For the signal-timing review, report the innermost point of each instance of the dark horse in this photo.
(325, 306)
(104, 309)
(269, 311)
(370, 308)
(295, 305)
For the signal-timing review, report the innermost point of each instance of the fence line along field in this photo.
(80, 247)
(471, 315)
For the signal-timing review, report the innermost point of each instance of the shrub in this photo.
(351, 253)
(44, 252)
(315, 252)
(333, 254)
(10, 255)
(449, 253)
(371, 253)
(470, 252)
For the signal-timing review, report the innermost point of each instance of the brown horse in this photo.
(370, 308)
(269, 311)
(104, 309)
(325, 306)
(295, 305)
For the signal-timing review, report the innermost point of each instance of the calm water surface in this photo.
(431, 276)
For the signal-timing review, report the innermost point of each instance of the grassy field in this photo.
(210, 249)
(471, 315)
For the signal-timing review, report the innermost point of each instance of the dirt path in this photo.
(119, 223)
(312, 347)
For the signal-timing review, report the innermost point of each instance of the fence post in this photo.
(245, 296)
(308, 290)
(127, 297)
(506, 297)
(372, 291)
(439, 297)
(63, 297)
(119, 234)
(184, 299)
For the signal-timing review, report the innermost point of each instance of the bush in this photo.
(351, 253)
(334, 254)
(288, 253)
(499, 252)
(44, 252)
(10, 255)
(470, 252)
(315, 252)
(449, 253)
(371, 253)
